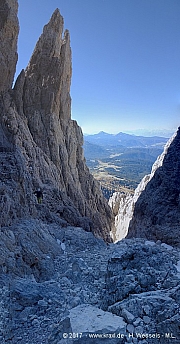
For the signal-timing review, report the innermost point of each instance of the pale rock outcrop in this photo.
(122, 207)
(41, 146)
(9, 29)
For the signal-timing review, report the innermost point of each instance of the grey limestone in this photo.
(59, 271)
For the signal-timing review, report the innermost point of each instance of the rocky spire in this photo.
(48, 74)
(156, 212)
(9, 29)
(45, 145)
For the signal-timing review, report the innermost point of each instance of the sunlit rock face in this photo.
(153, 211)
(43, 143)
(122, 207)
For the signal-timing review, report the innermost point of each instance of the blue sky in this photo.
(125, 57)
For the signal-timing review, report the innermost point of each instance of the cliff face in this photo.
(156, 212)
(9, 30)
(40, 146)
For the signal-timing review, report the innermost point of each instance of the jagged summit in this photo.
(48, 74)
(40, 144)
(51, 39)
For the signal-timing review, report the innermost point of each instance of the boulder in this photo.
(91, 325)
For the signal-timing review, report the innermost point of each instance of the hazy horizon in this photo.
(138, 132)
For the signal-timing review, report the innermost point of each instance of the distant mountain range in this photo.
(125, 140)
(121, 160)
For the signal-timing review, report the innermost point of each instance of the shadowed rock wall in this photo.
(157, 210)
(9, 30)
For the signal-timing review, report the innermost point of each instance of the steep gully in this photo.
(56, 277)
